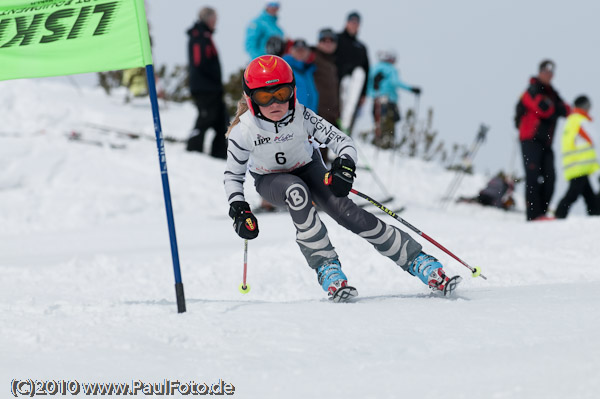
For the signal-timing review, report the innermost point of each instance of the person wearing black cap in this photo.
(326, 80)
(351, 54)
(537, 112)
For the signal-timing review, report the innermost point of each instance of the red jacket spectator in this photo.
(537, 112)
(204, 64)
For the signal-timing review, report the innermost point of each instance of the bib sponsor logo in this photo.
(260, 140)
(283, 138)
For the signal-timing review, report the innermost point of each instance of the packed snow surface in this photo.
(87, 288)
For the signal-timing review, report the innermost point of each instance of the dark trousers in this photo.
(385, 115)
(212, 113)
(538, 160)
(578, 186)
(298, 189)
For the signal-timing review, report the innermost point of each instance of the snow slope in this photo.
(86, 286)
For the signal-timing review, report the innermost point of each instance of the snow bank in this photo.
(87, 287)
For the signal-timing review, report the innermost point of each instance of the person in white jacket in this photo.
(273, 137)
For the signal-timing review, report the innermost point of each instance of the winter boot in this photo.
(430, 271)
(334, 281)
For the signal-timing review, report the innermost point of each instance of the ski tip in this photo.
(451, 285)
(345, 294)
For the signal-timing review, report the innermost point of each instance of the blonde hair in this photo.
(242, 107)
(206, 13)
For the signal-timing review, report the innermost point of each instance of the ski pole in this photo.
(245, 288)
(417, 101)
(476, 271)
(368, 168)
(467, 163)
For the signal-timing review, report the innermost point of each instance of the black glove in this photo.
(545, 104)
(244, 222)
(341, 176)
(416, 90)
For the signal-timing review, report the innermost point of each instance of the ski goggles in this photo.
(280, 94)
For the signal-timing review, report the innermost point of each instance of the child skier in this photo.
(271, 135)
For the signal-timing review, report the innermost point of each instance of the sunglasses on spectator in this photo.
(328, 39)
(276, 94)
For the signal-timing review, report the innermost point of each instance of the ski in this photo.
(451, 285)
(466, 167)
(77, 137)
(350, 92)
(344, 294)
(131, 134)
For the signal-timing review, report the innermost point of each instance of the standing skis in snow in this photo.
(271, 135)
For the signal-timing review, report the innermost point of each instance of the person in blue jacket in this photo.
(302, 61)
(384, 81)
(261, 29)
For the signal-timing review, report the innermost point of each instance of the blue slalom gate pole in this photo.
(162, 159)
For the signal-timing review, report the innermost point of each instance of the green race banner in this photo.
(40, 38)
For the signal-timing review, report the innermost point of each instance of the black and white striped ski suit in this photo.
(288, 171)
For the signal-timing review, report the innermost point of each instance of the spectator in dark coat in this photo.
(350, 54)
(326, 80)
(326, 76)
(206, 86)
(537, 112)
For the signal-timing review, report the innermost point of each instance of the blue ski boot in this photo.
(334, 282)
(430, 271)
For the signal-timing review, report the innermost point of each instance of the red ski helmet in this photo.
(267, 71)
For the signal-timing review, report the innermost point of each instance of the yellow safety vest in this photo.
(578, 157)
(135, 80)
